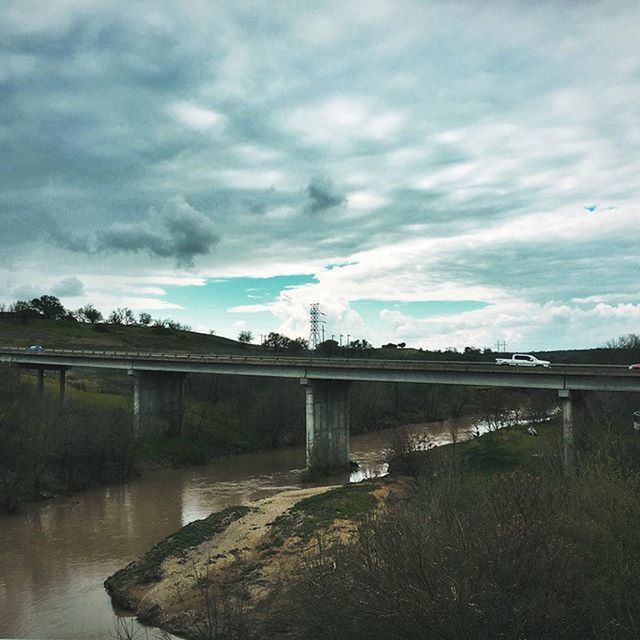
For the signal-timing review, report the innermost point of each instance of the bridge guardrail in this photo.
(351, 363)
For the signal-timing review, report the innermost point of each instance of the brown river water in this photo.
(55, 555)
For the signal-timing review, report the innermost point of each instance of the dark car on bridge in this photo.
(35, 348)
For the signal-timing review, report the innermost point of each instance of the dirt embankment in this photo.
(221, 570)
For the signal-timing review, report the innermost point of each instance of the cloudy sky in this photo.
(443, 173)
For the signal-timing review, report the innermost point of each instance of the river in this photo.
(55, 555)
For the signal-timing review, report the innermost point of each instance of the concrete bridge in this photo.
(159, 385)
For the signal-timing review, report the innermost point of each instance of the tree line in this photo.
(49, 307)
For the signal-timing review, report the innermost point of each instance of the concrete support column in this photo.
(41, 381)
(158, 403)
(327, 418)
(63, 384)
(570, 436)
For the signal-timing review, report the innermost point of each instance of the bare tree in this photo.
(89, 314)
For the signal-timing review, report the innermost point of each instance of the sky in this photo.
(440, 173)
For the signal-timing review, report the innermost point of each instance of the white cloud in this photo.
(196, 117)
(366, 200)
(340, 120)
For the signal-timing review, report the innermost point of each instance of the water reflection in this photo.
(55, 556)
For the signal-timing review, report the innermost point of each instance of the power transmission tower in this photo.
(316, 333)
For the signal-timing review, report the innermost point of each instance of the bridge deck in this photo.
(557, 376)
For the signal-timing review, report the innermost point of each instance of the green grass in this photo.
(65, 334)
(507, 449)
(94, 398)
(312, 514)
(149, 568)
(512, 448)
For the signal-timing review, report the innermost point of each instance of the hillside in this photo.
(66, 334)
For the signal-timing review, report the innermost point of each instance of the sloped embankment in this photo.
(218, 572)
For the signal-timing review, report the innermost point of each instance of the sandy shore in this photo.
(246, 559)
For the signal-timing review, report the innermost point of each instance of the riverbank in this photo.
(97, 532)
(228, 569)
(481, 539)
(239, 573)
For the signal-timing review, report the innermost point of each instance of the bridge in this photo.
(159, 385)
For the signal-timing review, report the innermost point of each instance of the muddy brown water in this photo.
(55, 555)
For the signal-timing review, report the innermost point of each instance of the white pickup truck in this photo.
(522, 360)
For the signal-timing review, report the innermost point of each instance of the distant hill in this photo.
(600, 355)
(67, 334)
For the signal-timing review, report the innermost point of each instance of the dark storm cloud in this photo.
(322, 194)
(178, 231)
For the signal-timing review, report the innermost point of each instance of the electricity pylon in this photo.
(315, 323)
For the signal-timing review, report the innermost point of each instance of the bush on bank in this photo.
(517, 555)
(52, 447)
(494, 541)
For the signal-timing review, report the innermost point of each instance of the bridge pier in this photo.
(62, 380)
(158, 402)
(570, 436)
(62, 392)
(327, 421)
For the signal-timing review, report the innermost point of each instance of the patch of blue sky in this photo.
(208, 306)
(224, 294)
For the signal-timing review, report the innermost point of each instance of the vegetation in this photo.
(628, 341)
(277, 342)
(493, 540)
(69, 334)
(49, 307)
(516, 555)
(51, 447)
(149, 568)
(312, 514)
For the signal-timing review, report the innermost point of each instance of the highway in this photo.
(557, 376)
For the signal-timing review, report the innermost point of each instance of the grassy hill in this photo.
(66, 334)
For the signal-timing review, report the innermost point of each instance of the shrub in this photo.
(512, 556)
